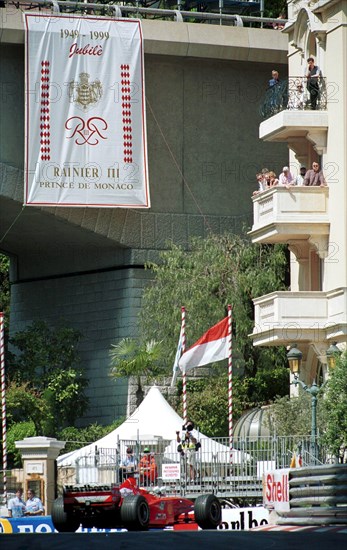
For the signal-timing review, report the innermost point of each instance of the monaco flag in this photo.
(211, 347)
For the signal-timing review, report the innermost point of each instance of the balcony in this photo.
(282, 215)
(285, 317)
(290, 118)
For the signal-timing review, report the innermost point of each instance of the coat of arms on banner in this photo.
(84, 93)
(85, 112)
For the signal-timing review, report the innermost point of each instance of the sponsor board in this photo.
(235, 519)
(42, 524)
(244, 519)
(276, 490)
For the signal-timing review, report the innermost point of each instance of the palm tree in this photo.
(131, 358)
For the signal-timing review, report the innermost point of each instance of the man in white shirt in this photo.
(299, 179)
(16, 505)
(128, 466)
(34, 506)
(285, 178)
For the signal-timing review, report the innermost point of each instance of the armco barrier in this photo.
(317, 496)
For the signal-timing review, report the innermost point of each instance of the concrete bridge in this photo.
(204, 84)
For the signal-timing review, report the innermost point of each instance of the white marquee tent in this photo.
(153, 421)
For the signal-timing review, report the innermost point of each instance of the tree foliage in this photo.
(17, 432)
(132, 358)
(292, 416)
(25, 404)
(335, 409)
(79, 437)
(274, 8)
(209, 409)
(214, 272)
(5, 286)
(45, 384)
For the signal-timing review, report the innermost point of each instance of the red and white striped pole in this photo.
(184, 376)
(3, 405)
(230, 382)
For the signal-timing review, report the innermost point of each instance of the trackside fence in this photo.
(213, 470)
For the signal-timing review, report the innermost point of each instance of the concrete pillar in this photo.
(38, 455)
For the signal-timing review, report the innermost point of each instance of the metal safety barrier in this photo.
(221, 15)
(317, 496)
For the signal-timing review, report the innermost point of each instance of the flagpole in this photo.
(230, 382)
(184, 376)
(3, 405)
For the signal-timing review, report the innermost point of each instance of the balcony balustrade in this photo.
(293, 94)
(286, 317)
(289, 117)
(282, 215)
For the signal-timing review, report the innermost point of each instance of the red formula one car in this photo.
(130, 507)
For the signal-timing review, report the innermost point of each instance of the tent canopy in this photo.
(152, 421)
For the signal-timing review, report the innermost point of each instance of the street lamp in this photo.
(333, 352)
(294, 357)
(313, 390)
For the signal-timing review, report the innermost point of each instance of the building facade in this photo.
(312, 220)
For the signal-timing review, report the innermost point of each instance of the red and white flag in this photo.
(211, 347)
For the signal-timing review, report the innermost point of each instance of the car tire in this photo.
(207, 511)
(62, 522)
(135, 513)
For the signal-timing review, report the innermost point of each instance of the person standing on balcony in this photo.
(315, 177)
(285, 178)
(272, 179)
(313, 75)
(278, 26)
(262, 183)
(300, 178)
(274, 90)
(275, 79)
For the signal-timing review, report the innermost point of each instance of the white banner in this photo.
(85, 112)
(171, 471)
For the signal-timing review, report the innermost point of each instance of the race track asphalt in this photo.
(170, 540)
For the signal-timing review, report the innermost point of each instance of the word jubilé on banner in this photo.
(85, 112)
